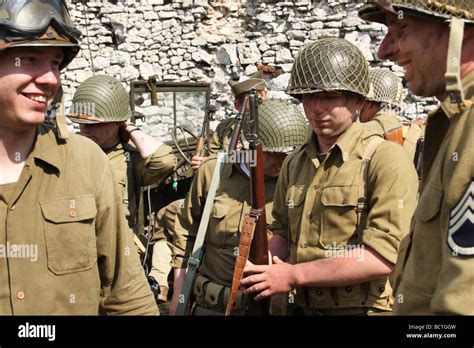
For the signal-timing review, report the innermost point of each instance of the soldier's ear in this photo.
(359, 102)
(237, 104)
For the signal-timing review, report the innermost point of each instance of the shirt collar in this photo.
(46, 147)
(345, 143)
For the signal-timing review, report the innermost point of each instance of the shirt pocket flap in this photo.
(69, 209)
(429, 203)
(340, 196)
(295, 195)
(220, 210)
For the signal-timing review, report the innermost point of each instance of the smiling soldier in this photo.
(434, 42)
(56, 193)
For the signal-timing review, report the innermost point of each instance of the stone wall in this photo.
(214, 41)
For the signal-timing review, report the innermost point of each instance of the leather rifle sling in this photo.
(195, 258)
(246, 236)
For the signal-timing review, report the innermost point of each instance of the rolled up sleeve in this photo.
(158, 165)
(393, 187)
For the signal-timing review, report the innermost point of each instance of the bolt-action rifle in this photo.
(253, 244)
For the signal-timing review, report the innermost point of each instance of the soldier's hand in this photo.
(124, 130)
(196, 162)
(268, 280)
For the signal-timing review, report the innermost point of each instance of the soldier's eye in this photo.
(28, 60)
(55, 64)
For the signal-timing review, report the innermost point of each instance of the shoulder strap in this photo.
(361, 208)
(195, 258)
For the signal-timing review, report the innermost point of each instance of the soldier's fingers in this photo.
(276, 259)
(264, 294)
(258, 287)
(251, 269)
(253, 279)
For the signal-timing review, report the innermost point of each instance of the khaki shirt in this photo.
(438, 272)
(220, 139)
(231, 204)
(314, 209)
(133, 172)
(66, 208)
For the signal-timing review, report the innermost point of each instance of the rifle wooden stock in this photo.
(259, 246)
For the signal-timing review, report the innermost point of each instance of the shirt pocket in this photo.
(70, 233)
(295, 197)
(339, 218)
(218, 223)
(429, 203)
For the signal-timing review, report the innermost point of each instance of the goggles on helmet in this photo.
(29, 19)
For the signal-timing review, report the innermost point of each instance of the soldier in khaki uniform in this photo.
(380, 106)
(340, 225)
(218, 140)
(69, 250)
(221, 137)
(435, 272)
(100, 106)
(282, 127)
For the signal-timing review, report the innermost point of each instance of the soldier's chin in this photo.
(420, 89)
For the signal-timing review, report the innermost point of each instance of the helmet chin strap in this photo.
(453, 69)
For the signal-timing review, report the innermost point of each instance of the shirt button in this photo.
(309, 215)
(72, 213)
(315, 187)
(319, 292)
(20, 295)
(344, 201)
(348, 288)
(382, 288)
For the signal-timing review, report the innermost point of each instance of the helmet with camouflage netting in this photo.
(387, 87)
(282, 126)
(329, 64)
(38, 23)
(100, 99)
(375, 11)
